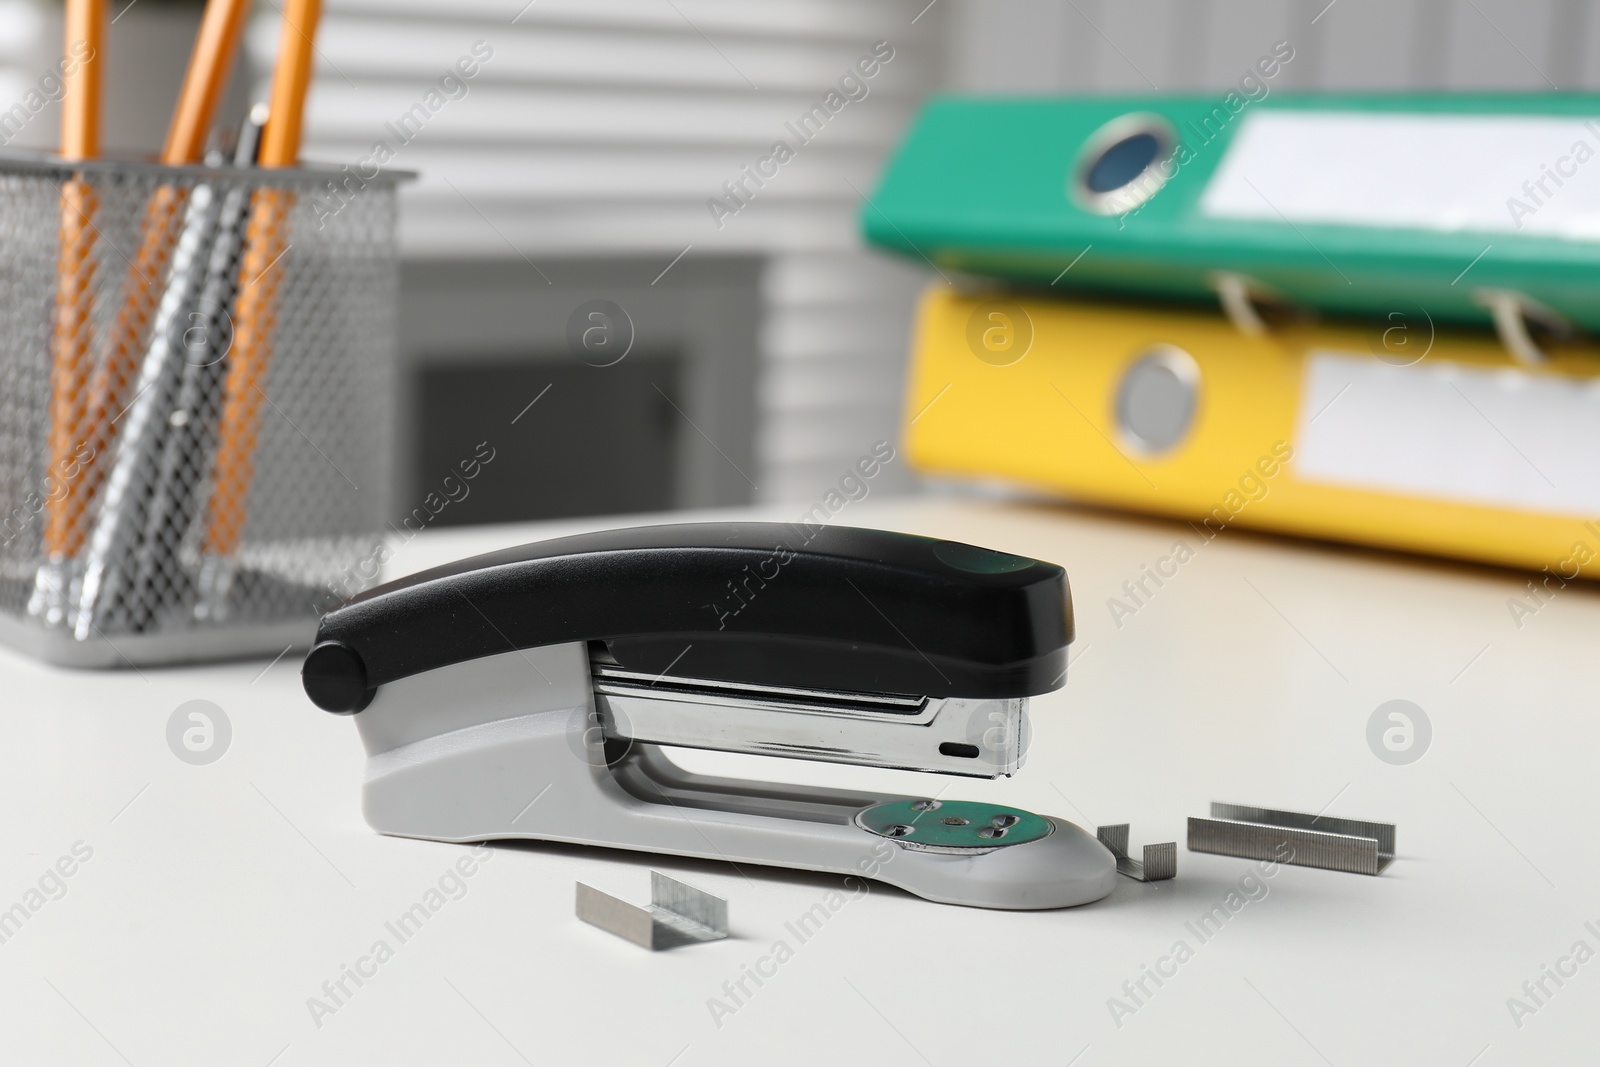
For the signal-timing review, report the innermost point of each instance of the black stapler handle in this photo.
(831, 608)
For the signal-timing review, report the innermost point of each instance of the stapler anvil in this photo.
(529, 693)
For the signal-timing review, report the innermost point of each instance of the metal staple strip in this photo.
(1160, 861)
(678, 914)
(1382, 832)
(1305, 848)
(627, 921)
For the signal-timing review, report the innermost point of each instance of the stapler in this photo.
(530, 693)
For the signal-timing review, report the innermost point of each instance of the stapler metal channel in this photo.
(529, 693)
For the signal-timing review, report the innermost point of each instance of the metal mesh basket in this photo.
(194, 394)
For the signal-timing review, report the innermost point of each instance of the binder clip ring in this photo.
(1512, 312)
(1242, 299)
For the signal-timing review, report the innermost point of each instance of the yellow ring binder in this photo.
(1306, 429)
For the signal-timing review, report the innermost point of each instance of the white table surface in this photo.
(219, 898)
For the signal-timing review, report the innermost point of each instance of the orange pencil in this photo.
(260, 280)
(204, 82)
(82, 77)
(82, 70)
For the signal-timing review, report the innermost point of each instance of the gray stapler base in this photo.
(520, 759)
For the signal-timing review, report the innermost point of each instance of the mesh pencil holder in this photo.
(195, 370)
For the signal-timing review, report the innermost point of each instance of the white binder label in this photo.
(1502, 438)
(1491, 173)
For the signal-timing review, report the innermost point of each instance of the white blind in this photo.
(603, 126)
